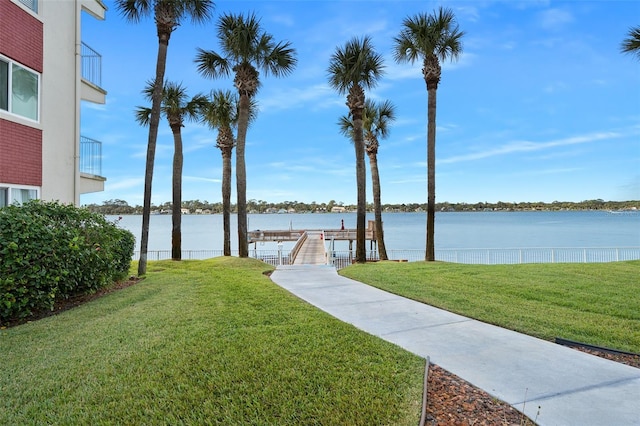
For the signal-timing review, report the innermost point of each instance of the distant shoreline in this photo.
(168, 213)
(115, 207)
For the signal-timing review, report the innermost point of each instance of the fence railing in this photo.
(90, 156)
(91, 65)
(341, 259)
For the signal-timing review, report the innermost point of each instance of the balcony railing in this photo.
(90, 156)
(91, 65)
(31, 4)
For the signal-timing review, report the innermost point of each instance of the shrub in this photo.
(49, 250)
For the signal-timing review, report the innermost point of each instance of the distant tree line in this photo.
(121, 207)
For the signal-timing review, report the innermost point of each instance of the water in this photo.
(407, 231)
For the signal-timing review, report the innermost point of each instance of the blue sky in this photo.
(541, 106)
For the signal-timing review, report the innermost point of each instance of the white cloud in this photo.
(554, 19)
(124, 183)
(554, 87)
(283, 19)
(528, 146)
(200, 179)
(468, 12)
(317, 96)
(395, 71)
(550, 171)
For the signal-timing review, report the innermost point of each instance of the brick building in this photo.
(46, 70)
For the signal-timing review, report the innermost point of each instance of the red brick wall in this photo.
(20, 154)
(21, 35)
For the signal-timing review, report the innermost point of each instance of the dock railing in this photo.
(273, 236)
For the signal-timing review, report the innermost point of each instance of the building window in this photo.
(31, 4)
(19, 88)
(17, 195)
(4, 85)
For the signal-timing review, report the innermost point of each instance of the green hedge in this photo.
(49, 251)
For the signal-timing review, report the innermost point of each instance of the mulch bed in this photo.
(66, 304)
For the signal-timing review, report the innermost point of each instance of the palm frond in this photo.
(378, 117)
(212, 65)
(631, 44)
(253, 110)
(280, 60)
(355, 63)
(147, 92)
(239, 36)
(143, 115)
(199, 11)
(244, 44)
(221, 109)
(134, 10)
(345, 124)
(424, 35)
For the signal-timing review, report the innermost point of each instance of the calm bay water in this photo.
(406, 231)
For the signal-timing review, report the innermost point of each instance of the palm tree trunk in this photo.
(226, 199)
(361, 181)
(377, 205)
(431, 171)
(154, 122)
(241, 174)
(176, 211)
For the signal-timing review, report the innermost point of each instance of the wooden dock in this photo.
(312, 251)
(310, 248)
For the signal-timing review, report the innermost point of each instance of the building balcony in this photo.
(92, 90)
(91, 179)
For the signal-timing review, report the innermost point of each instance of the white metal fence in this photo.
(472, 256)
(507, 256)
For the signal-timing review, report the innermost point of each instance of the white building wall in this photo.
(61, 95)
(59, 101)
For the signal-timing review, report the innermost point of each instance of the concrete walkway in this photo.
(550, 383)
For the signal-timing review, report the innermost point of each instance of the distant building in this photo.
(185, 211)
(46, 70)
(338, 209)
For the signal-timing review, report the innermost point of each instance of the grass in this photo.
(203, 342)
(595, 303)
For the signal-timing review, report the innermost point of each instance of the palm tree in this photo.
(351, 67)
(631, 44)
(168, 15)
(221, 112)
(375, 124)
(431, 38)
(246, 49)
(176, 108)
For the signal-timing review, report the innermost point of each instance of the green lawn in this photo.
(595, 303)
(203, 342)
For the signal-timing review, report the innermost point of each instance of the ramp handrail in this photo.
(297, 246)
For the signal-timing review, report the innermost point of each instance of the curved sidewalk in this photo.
(553, 384)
